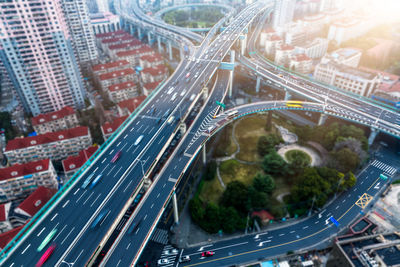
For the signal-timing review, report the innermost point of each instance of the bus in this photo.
(294, 104)
(47, 239)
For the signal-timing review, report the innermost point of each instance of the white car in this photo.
(174, 96)
(170, 90)
(163, 261)
(138, 140)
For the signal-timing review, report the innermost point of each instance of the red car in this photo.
(45, 256)
(116, 156)
(207, 253)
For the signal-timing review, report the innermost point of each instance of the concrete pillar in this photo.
(139, 31)
(243, 43)
(183, 128)
(322, 119)
(131, 29)
(231, 74)
(159, 44)
(149, 39)
(169, 50)
(205, 93)
(287, 95)
(258, 84)
(204, 154)
(175, 205)
(372, 135)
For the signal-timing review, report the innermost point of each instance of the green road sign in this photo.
(252, 52)
(222, 105)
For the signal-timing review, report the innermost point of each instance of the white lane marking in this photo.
(118, 143)
(66, 203)
(88, 198)
(145, 217)
(344, 200)
(111, 152)
(291, 232)
(132, 129)
(26, 248)
(95, 200)
(68, 235)
(41, 231)
(111, 170)
(80, 197)
(152, 206)
(12, 264)
(158, 195)
(262, 243)
(137, 231)
(124, 146)
(127, 186)
(316, 222)
(78, 256)
(125, 136)
(103, 160)
(281, 234)
(58, 234)
(201, 248)
(128, 246)
(145, 129)
(55, 215)
(163, 186)
(76, 191)
(108, 213)
(336, 207)
(118, 171)
(96, 169)
(305, 227)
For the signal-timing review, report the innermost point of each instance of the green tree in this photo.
(235, 195)
(230, 219)
(298, 161)
(258, 199)
(211, 222)
(344, 160)
(264, 183)
(274, 164)
(196, 209)
(5, 122)
(350, 180)
(266, 143)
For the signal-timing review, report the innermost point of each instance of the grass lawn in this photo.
(211, 191)
(231, 170)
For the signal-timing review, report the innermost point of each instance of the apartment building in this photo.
(345, 56)
(73, 163)
(35, 201)
(122, 91)
(110, 67)
(271, 44)
(283, 54)
(134, 55)
(300, 63)
(313, 49)
(62, 119)
(108, 128)
(283, 12)
(149, 87)
(123, 39)
(20, 180)
(349, 28)
(104, 22)
(39, 55)
(154, 74)
(133, 44)
(150, 61)
(55, 145)
(118, 76)
(128, 106)
(5, 224)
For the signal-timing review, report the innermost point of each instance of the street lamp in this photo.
(142, 162)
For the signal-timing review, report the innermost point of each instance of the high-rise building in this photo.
(36, 49)
(283, 12)
(103, 6)
(82, 36)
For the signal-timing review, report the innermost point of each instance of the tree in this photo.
(274, 164)
(258, 199)
(235, 195)
(350, 180)
(266, 143)
(211, 222)
(352, 144)
(344, 160)
(196, 209)
(298, 161)
(230, 219)
(264, 183)
(5, 122)
(210, 170)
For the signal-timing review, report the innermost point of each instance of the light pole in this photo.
(142, 162)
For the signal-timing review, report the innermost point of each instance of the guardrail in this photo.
(60, 193)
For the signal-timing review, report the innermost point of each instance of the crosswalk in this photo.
(169, 256)
(160, 236)
(389, 170)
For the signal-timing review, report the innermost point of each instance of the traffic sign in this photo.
(222, 105)
(334, 221)
(252, 52)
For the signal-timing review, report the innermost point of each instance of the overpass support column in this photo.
(139, 33)
(204, 154)
(149, 39)
(159, 44)
(322, 119)
(258, 84)
(287, 95)
(175, 205)
(231, 73)
(243, 42)
(372, 135)
(169, 50)
(131, 29)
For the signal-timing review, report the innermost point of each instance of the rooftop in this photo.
(52, 116)
(301, 57)
(35, 201)
(110, 65)
(151, 86)
(75, 162)
(135, 52)
(121, 86)
(132, 103)
(154, 71)
(24, 142)
(132, 44)
(345, 53)
(4, 211)
(110, 127)
(109, 34)
(18, 170)
(8, 236)
(116, 74)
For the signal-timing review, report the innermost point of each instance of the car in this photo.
(138, 140)
(207, 253)
(170, 120)
(46, 255)
(187, 75)
(134, 226)
(95, 181)
(163, 261)
(87, 181)
(184, 258)
(99, 218)
(173, 251)
(116, 156)
(170, 90)
(174, 96)
(183, 93)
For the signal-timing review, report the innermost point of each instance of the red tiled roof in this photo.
(110, 65)
(18, 170)
(121, 86)
(43, 118)
(155, 71)
(286, 47)
(152, 58)
(19, 143)
(110, 127)
(75, 162)
(116, 74)
(132, 103)
(107, 34)
(117, 39)
(8, 236)
(151, 86)
(275, 38)
(269, 30)
(4, 210)
(301, 57)
(35, 201)
(133, 44)
(135, 52)
(263, 214)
